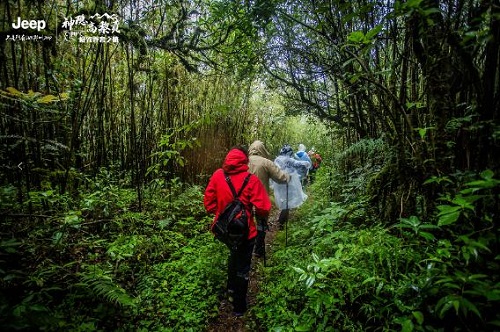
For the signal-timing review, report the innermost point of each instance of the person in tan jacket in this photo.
(265, 169)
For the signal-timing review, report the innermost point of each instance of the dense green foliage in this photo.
(106, 148)
(342, 269)
(96, 264)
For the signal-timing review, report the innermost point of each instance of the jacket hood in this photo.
(236, 161)
(257, 148)
(286, 150)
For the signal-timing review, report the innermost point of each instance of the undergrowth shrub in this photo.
(87, 266)
(183, 294)
(462, 287)
(106, 196)
(343, 268)
(339, 278)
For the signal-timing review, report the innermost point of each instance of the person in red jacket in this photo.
(254, 197)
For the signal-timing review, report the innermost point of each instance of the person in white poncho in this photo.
(290, 195)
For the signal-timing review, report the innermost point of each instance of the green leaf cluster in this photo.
(337, 272)
(115, 267)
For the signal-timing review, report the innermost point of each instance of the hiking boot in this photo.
(238, 314)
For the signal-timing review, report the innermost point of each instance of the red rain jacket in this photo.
(218, 194)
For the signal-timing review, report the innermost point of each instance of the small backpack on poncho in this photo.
(231, 227)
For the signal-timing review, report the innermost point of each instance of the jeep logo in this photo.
(32, 24)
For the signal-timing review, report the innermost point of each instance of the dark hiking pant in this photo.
(312, 175)
(260, 244)
(239, 264)
(283, 217)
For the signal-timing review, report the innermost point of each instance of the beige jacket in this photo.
(264, 168)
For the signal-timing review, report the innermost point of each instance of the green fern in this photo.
(104, 287)
(369, 149)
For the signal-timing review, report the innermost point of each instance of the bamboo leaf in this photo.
(367, 280)
(444, 305)
(426, 235)
(47, 99)
(494, 323)
(13, 91)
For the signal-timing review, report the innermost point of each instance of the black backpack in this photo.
(231, 227)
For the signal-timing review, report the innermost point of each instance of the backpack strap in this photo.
(228, 180)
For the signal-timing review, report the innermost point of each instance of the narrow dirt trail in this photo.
(226, 321)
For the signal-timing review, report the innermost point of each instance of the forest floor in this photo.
(226, 321)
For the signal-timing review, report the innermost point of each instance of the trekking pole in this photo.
(265, 258)
(265, 228)
(286, 217)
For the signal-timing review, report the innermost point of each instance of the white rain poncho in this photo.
(295, 196)
(290, 165)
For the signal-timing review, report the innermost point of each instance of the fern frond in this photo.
(104, 287)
